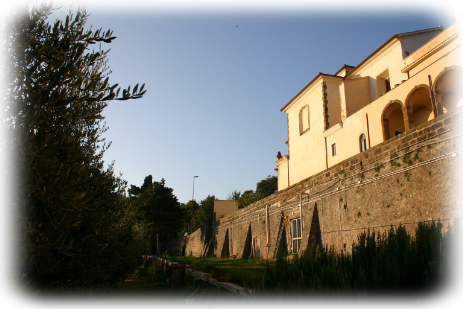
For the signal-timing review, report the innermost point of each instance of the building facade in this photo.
(369, 147)
(412, 78)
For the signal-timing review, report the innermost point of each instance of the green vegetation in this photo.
(146, 289)
(156, 208)
(197, 215)
(245, 272)
(264, 188)
(74, 229)
(267, 186)
(393, 161)
(391, 262)
(406, 157)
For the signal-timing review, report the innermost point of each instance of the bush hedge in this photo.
(389, 270)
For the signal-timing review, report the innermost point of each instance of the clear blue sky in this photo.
(217, 79)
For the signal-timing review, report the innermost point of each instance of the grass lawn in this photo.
(150, 282)
(147, 291)
(245, 272)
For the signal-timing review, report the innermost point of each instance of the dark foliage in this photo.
(267, 186)
(264, 188)
(157, 207)
(74, 225)
(157, 212)
(248, 197)
(207, 210)
(392, 262)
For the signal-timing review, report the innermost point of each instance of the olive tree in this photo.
(74, 223)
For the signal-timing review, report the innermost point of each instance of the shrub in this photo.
(392, 261)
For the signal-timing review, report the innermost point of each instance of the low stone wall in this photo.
(408, 179)
(192, 245)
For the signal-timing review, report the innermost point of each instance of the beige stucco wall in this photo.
(306, 160)
(333, 97)
(451, 44)
(356, 94)
(224, 208)
(282, 168)
(347, 138)
(342, 72)
(390, 59)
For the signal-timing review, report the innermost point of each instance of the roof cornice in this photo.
(452, 37)
(306, 88)
(344, 67)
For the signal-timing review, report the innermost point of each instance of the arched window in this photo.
(363, 142)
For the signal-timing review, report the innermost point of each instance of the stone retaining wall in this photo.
(190, 245)
(408, 179)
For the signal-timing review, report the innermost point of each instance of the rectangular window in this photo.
(388, 85)
(333, 149)
(304, 120)
(296, 234)
(383, 83)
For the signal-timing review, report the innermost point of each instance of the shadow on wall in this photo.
(247, 244)
(225, 249)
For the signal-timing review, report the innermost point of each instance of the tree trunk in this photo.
(158, 245)
(151, 245)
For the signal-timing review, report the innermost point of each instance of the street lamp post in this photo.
(193, 197)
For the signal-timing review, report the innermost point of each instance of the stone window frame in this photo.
(301, 129)
(296, 235)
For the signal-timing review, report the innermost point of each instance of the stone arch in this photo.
(392, 119)
(419, 105)
(447, 89)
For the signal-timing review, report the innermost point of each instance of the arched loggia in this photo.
(419, 106)
(447, 90)
(392, 120)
